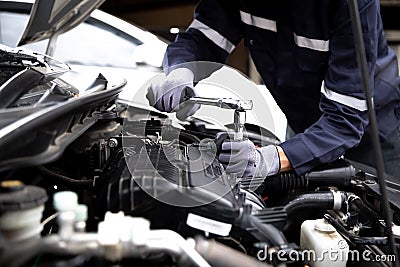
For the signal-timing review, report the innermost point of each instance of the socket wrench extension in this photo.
(239, 106)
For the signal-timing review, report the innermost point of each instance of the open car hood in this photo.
(38, 97)
(50, 17)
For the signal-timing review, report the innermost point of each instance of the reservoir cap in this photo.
(14, 196)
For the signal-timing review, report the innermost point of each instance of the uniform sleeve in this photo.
(343, 105)
(212, 35)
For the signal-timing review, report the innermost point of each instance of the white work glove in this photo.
(170, 93)
(245, 160)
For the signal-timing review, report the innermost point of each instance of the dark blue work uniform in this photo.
(304, 52)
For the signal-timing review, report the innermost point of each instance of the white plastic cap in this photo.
(140, 230)
(65, 201)
(109, 229)
(117, 227)
(323, 226)
(81, 213)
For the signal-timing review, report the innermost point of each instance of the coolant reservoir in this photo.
(21, 208)
(322, 245)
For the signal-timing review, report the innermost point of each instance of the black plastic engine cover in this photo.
(152, 180)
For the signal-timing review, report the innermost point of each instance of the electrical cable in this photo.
(65, 179)
(362, 62)
(48, 219)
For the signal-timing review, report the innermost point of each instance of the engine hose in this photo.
(284, 182)
(219, 255)
(267, 232)
(64, 179)
(339, 177)
(318, 200)
(289, 181)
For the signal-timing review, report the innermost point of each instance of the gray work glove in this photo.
(170, 93)
(245, 160)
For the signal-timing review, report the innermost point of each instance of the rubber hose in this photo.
(339, 177)
(219, 255)
(324, 201)
(268, 231)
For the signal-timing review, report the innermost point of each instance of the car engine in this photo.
(87, 179)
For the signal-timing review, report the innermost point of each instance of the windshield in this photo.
(91, 43)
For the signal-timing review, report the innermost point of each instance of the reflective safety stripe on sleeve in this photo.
(346, 100)
(213, 35)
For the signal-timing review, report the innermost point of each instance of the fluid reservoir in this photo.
(21, 208)
(322, 245)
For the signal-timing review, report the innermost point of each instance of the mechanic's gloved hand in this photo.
(245, 160)
(170, 94)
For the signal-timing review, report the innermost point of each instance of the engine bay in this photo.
(97, 181)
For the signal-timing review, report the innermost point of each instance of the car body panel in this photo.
(51, 17)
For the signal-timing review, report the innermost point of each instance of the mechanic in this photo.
(305, 54)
